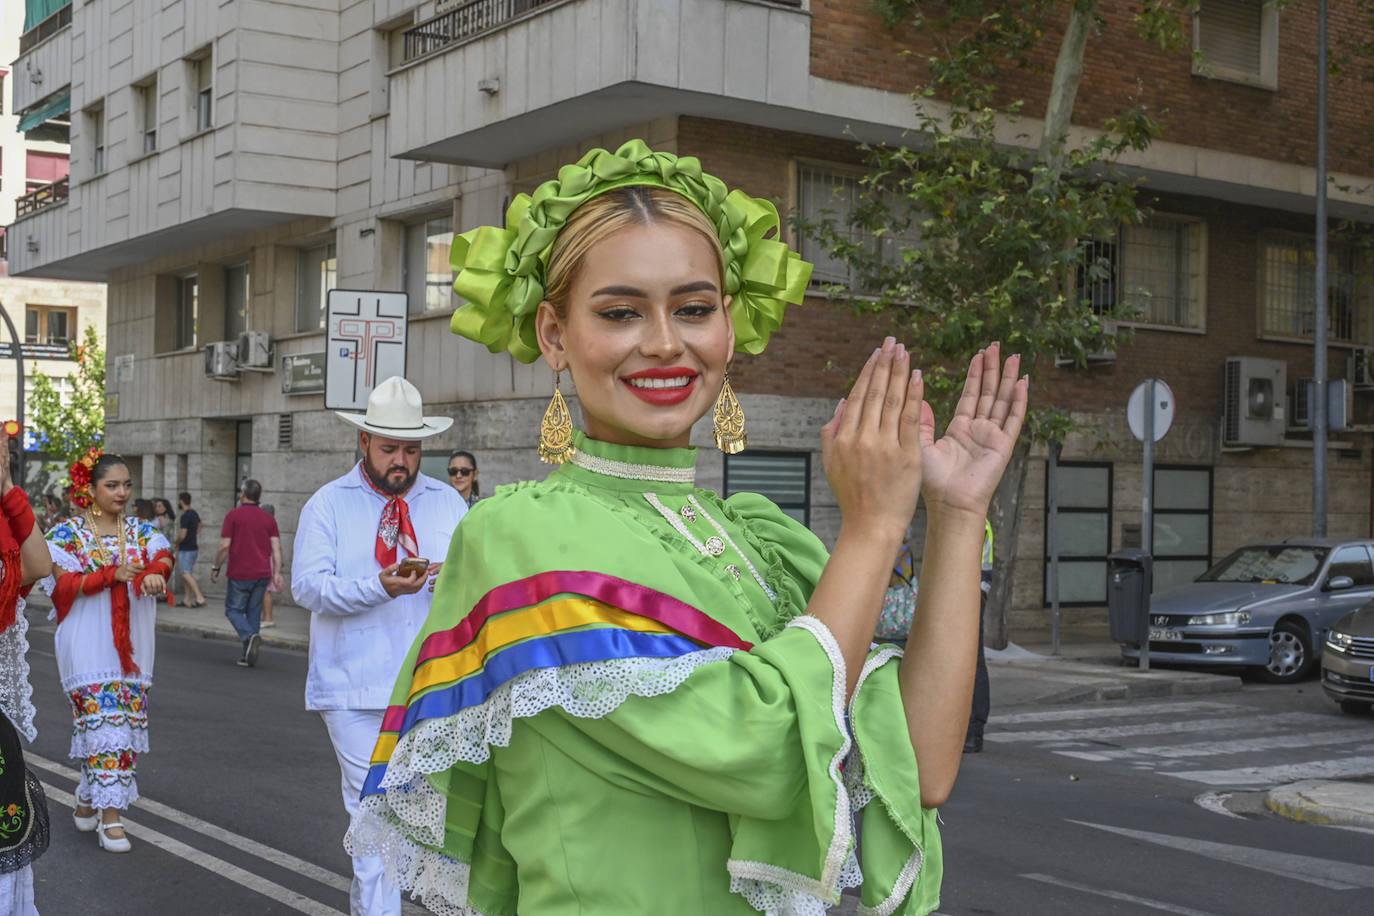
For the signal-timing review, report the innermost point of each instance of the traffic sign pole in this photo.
(1147, 513)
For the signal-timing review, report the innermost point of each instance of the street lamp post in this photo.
(19, 395)
(1319, 411)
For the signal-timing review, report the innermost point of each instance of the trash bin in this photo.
(1128, 595)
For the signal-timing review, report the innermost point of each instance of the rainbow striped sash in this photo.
(545, 621)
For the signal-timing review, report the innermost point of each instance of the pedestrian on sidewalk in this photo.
(24, 559)
(366, 607)
(462, 474)
(250, 540)
(982, 689)
(269, 621)
(108, 570)
(188, 550)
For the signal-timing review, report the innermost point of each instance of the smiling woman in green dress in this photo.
(632, 696)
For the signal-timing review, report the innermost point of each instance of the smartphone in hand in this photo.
(412, 565)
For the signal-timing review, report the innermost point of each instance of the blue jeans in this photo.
(243, 606)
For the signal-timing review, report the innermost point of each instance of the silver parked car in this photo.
(1348, 661)
(1266, 607)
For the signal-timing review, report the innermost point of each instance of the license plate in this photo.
(1162, 634)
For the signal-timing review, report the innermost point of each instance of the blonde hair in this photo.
(608, 213)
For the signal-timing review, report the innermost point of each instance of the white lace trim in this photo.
(435, 880)
(105, 739)
(772, 596)
(627, 470)
(16, 690)
(112, 796)
(779, 891)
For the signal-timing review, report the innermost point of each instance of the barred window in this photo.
(1163, 272)
(1288, 300)
(784, 477)
(835, 194)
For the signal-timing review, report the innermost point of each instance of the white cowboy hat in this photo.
(395, 411)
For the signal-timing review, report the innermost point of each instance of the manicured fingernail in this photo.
(916, 375)
(901, 349)
(888, 342)
(877, 351)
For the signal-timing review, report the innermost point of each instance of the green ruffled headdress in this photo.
(501, 271)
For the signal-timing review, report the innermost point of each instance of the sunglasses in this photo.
(460, 472)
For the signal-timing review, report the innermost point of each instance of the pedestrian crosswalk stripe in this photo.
(1238, 746)
(1172, 726)
(1278, 774)
(1116, 895)
(1071, 713)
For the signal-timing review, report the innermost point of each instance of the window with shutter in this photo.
(1237, 41)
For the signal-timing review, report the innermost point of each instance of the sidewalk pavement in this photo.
(1086, 670)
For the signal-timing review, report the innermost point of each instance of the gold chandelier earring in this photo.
(555, 430)
(727, 421)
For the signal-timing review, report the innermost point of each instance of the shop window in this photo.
(1085, 525)
(783, 477)
(1182, 541)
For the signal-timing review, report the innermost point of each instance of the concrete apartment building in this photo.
(33, 172)
(231, 162)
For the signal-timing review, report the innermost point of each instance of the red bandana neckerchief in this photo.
(394, 528)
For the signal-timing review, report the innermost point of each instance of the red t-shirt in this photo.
(250, 531)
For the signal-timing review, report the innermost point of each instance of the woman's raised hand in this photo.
(872, 446)
(962, 468)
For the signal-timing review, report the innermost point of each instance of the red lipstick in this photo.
(667, 395)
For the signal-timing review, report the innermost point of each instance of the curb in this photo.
(1317, 801)
(1103, 693)
(272, 641)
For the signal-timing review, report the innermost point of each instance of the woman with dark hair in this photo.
(108, 570)
(462, 475)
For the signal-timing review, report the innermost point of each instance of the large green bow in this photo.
(501, 271)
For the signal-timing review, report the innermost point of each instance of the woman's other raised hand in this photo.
(962, 468)
(872, 446)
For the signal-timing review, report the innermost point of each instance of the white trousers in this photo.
(16, 893)
(353, 733)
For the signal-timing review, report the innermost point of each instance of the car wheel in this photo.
(1290, 655)
(1354, 707)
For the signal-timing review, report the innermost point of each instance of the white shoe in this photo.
(109, 843)
(88, 823)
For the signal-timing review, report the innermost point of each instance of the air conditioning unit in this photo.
(1098, 357)
(1302, 406)
(1253, 390)
(1358, 369)
(255, 350)
(222, 360)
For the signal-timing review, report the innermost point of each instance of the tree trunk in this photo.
(1068, 72)
(1005, 515)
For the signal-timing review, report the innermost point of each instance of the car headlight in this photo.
(1338, 641)
(1228, 619)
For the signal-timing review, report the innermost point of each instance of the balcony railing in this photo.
(48, 27)
(39, 198)
(462, 22)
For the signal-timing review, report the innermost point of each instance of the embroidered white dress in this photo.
(109, 706)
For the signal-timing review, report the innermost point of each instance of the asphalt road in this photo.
(241, 811)
(1157, 807)
(1139, 808)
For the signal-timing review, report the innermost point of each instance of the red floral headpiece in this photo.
(80, 475)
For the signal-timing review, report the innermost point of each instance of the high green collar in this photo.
(630, 467)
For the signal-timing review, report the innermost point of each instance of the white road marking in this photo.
(205, 828)
(1238, 746)
(1281, 773)
(1118, 895)
(1215, 802)
(1174, 726)
(283, 895)
(1100, 712)
(1328, 873)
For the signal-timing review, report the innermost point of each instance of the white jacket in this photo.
(359, 636)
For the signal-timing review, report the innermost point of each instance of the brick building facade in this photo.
(344, 145)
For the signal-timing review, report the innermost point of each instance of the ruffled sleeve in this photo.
(793, 556)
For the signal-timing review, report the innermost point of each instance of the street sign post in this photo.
(366, 343)
(1150, 413)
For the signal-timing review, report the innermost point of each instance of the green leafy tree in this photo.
(66, 430)
(972, 234)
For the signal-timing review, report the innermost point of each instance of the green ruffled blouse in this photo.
(618, 706)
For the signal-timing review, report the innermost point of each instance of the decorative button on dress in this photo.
(617, 705)
(109, 704)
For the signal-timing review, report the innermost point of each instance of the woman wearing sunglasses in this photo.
(462, 475)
